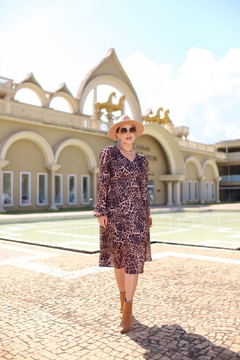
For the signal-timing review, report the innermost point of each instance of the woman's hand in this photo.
(102, 220)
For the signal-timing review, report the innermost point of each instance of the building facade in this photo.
(49, 159)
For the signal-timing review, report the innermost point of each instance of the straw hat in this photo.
(125, 120)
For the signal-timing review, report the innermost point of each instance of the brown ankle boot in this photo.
(122, 298)
(126, 322)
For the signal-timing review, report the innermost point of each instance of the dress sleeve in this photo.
(103, 183)
(144, 186)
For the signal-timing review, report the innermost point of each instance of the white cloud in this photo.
(204, 95)
(147, 78)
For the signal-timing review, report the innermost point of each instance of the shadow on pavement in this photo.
(173, 342)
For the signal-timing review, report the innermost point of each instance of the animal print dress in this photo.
(123, 198)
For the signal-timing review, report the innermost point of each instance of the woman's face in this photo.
(126, 134)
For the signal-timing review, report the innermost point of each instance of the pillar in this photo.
(176, 186)
(94, 100)
(201, 188)
(53, 168)
(217, 180)
(3, 163)
(169, 193)
(184, 192)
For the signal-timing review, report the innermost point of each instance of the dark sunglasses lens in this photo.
(131, 130)
(123, 130)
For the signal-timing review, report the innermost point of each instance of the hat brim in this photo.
(112, 131)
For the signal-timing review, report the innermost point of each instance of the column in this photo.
(53, 168)
(169, 193)
(217, 180)
(94, 100)
(3, 163)
(176, 186)
(184, 192)
(201, 188)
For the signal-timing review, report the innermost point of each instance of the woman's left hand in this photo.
(102, 220)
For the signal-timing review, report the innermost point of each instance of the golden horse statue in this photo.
(120, 105)
(167, 121)
(149, 117)
(108, 105)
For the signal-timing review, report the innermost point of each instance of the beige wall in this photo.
(73, 162)
(25, 156)
(191, 172)
(157, 164)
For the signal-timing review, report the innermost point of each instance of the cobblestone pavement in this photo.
(57, 304)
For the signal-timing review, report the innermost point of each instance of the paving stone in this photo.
(184, 309)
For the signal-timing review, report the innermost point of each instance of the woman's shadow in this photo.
(173, 342)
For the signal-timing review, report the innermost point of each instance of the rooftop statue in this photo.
(109, 106)
(156, 118)
(120, 105)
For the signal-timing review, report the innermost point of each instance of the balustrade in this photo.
(195, 146)
(230, 178)
(49, 116)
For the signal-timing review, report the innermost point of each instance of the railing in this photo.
(234, 156)
(220, 155)
(195, 146)
(180, 131)
(5, 83)
(230, 178)
(49, 116)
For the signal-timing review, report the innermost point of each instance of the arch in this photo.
(118, 84)
(36, 89)
(196, 163)
(169, 145)
(83, 146)
(32, 136)
(68, 97)
(213, 165)
(109, 65)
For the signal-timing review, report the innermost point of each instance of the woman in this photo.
(122, 210)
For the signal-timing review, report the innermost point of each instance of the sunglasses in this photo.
(123, 130)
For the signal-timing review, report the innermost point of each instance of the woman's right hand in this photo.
(102, 220)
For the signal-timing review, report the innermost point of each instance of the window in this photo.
(207, 191)
(85, 186)
(184, 191)
(7, 192)
(195, 190)
(25, 188)
(212, 192)
(151, 191)
(72, 190)
(189, 191)
(58, 189)
(41, 189)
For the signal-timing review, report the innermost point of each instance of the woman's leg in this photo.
(120, 277)
(131, 281)
(126, 282)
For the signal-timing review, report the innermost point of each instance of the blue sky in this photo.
(183, 55)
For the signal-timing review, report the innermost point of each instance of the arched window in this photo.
(60, 104)
(27, 96)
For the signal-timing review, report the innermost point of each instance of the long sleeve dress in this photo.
(123, 198)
